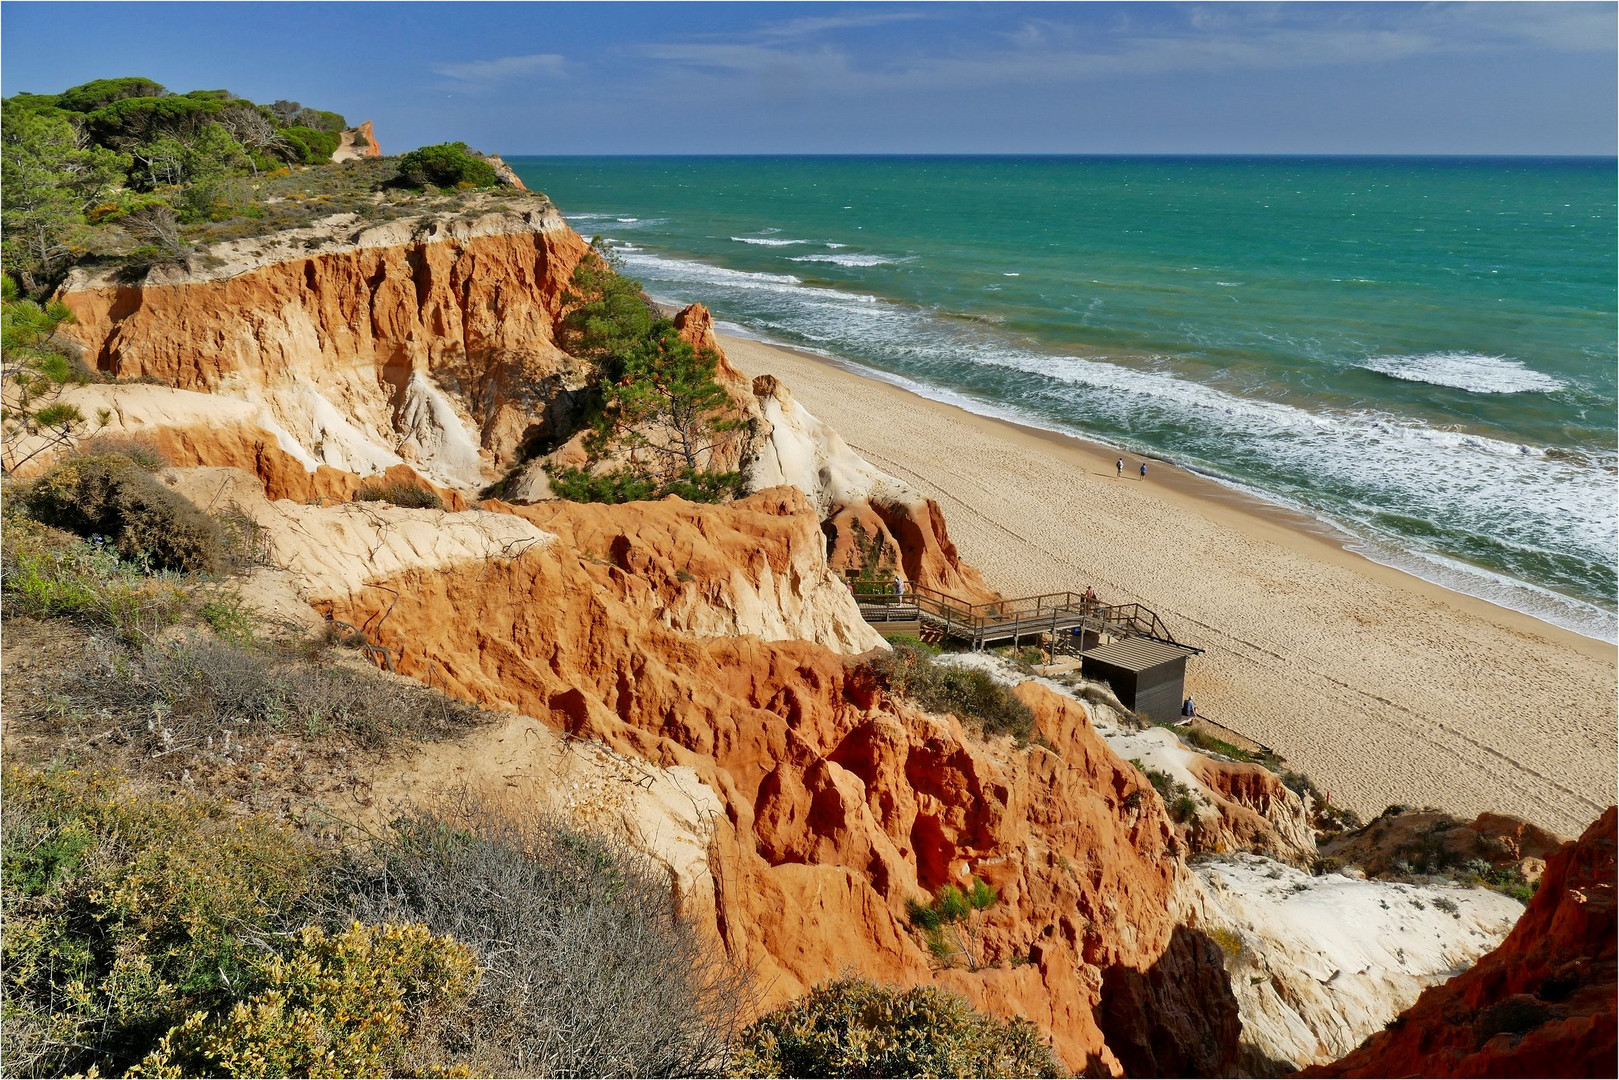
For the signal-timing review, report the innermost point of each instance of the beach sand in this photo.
(1384, 688)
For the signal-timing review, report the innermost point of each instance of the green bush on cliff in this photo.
(970, 695)
(445, 165)
(853, 1028)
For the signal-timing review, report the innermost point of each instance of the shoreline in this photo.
(1381, 684)
(1212, 487)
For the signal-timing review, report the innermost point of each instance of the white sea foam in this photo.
(830, 244)
(848, 260)
(767, 241)
(1013, 274)
(1473, 372)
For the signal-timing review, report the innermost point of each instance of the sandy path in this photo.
(1381, 686)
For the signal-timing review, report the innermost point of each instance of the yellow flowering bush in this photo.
(337, 1005)
(169, 937)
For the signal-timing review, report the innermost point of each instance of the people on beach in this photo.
(1189, 708)
(1121, 466)
(899, 585)
(1090, 595)
(1143, 470)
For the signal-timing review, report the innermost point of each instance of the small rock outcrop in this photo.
(1401, 842)
(1542, 1004)
(356, 142)
(870, 515)
(505, 173)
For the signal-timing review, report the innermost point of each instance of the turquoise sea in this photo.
(1421, 351)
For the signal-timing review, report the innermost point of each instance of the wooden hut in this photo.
(1148, 675)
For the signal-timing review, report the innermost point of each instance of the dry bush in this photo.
(589, 968)
(414, 496)
(110, 495)
(186, 694)
(142, 450)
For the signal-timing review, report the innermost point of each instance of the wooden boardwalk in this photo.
(1072, 622)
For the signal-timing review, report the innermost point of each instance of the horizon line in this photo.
(1611, 156)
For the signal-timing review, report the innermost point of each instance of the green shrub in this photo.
(952, 924)
(415, 496)
(853, 1028)
(1177, 796)
(445, 165)
(55, 577)
(970, 695)
(150, 936)
(627, 485)
(109, 495)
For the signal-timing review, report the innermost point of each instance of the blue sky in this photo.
(520, 78)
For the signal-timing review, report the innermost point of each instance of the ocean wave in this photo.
(830, 244)
(1473, 372)
(767, 241)
(848, 260)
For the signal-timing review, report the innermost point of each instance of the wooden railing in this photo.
(995, 620)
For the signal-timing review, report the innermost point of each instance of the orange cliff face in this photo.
(427, 342)
(1541, 1004)
(840, 804)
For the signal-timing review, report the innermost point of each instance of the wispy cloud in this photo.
(505, 68)
(1150, 41)
(858, 20)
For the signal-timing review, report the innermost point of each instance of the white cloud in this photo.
(505, 67)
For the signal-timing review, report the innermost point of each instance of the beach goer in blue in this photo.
(1189, 709)
(1143, 470)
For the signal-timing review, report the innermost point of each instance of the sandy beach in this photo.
(1383, 687)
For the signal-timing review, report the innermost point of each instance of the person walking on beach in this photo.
(1143, 470)
(1121, 466)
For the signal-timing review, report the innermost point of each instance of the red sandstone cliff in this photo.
(426, 341)
(1542, 1004)
(840, 805)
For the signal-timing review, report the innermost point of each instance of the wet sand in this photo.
(1383, 687)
